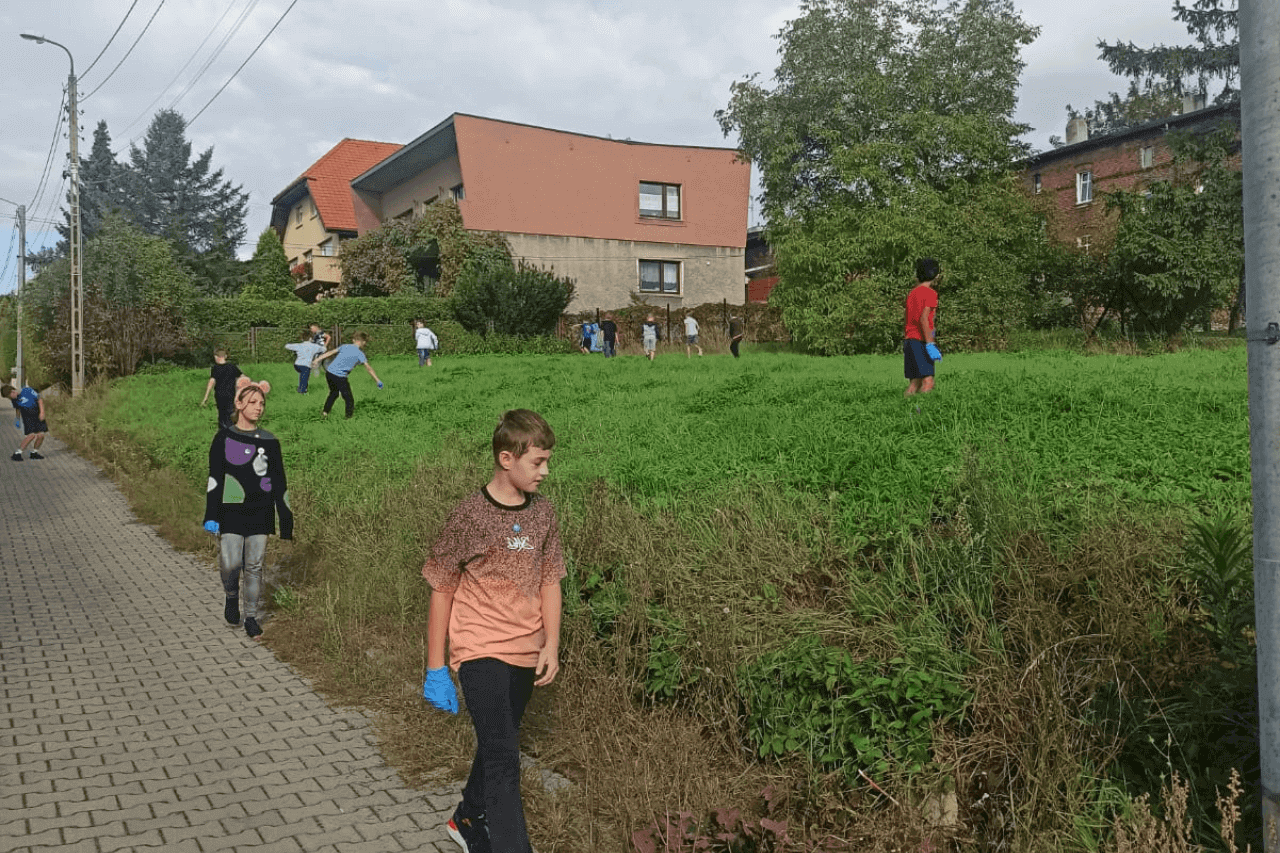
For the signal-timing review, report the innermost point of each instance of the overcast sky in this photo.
(388, 70)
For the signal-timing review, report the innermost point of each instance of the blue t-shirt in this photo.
(27, 400)
(349, 355)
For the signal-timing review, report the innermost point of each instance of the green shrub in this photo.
(519, 300)
(813, 700)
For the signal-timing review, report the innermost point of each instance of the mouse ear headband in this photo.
(244, 383)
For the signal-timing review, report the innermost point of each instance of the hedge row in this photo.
(207, 316)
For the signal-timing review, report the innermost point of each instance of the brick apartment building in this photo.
(1073, 179)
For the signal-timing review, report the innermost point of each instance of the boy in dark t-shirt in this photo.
(222, 382)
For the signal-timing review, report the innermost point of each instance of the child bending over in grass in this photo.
(246, 490)
(495, 596)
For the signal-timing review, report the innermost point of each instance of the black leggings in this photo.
(339, 385)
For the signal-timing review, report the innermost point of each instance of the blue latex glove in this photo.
(935, 354)
(17, 422)
(211, 526)
(438, 689)
(379, 383)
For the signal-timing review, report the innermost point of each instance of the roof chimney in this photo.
(1077, 130)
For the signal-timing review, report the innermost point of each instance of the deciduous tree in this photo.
(886, 136)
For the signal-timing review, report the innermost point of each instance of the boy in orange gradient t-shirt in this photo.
(495, 597)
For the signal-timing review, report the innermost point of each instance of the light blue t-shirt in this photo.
(306, 352)
(349, 355)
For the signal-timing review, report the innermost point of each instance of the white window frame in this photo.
(458, 192)
(1084, 186)
(297, 216)
(327, 249)
(1084, 243)
(1147, 157)
(314, 211)
(672, 196)
(665, 266)
(1036, 184)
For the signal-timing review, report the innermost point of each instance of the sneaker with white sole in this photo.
(17, 456)
(35, 454)
(470, 833)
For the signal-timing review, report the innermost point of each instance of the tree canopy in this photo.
(269, 276)
(166, 193)
(887, 136)
(1213, 58)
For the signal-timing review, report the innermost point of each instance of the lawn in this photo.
(750, 539)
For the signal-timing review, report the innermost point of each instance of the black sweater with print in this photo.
(247, 487)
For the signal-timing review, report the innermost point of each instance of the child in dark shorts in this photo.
(30, 410)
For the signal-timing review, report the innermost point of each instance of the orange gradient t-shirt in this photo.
(495, 559)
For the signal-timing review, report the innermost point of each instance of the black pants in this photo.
(339, 385)
(733, 345)
(496, 695)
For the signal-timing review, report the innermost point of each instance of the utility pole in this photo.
(77, 294)
(22, 283)
(1260, 141)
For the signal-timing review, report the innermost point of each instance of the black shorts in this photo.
(916, 361)
(31, 423)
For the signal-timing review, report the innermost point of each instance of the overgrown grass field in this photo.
(791, 591)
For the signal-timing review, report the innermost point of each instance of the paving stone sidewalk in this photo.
(132, 717)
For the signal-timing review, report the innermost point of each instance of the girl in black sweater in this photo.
(245, 492)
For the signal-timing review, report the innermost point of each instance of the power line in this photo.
(217, 51)
(9, 254)
(184, 67)
(127, 53)
(246, 62)
(110, 40)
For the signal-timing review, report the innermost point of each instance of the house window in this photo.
(297, 216)
(1084, 243)
(1035, 183)
(1147, 156)
(312, 202)
(1084, 187)
(660, 277)
(458, 193)
(326, 248)
(660, 201)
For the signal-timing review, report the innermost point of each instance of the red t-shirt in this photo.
(922, 296)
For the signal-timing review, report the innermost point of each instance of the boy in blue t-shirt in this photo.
(348, 356)
(30, 418)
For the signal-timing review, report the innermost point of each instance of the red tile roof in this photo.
(329, 179)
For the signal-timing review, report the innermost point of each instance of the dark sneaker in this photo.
(35, 454)
(232, 611)
(17, 456)
(471, 834)
(252, 628)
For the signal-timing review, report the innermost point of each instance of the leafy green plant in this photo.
(813, 700)
(286, 599)
(1220, 565)
(667, 672)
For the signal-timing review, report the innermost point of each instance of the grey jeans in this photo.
(236, 552)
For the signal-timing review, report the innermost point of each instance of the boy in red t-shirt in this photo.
(919, 350)
(495, 596)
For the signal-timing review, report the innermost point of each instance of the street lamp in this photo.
(77, 296)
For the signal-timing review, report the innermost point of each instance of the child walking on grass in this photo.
(246, 490)
(495, 597)
(348, 356)
(222, 382)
